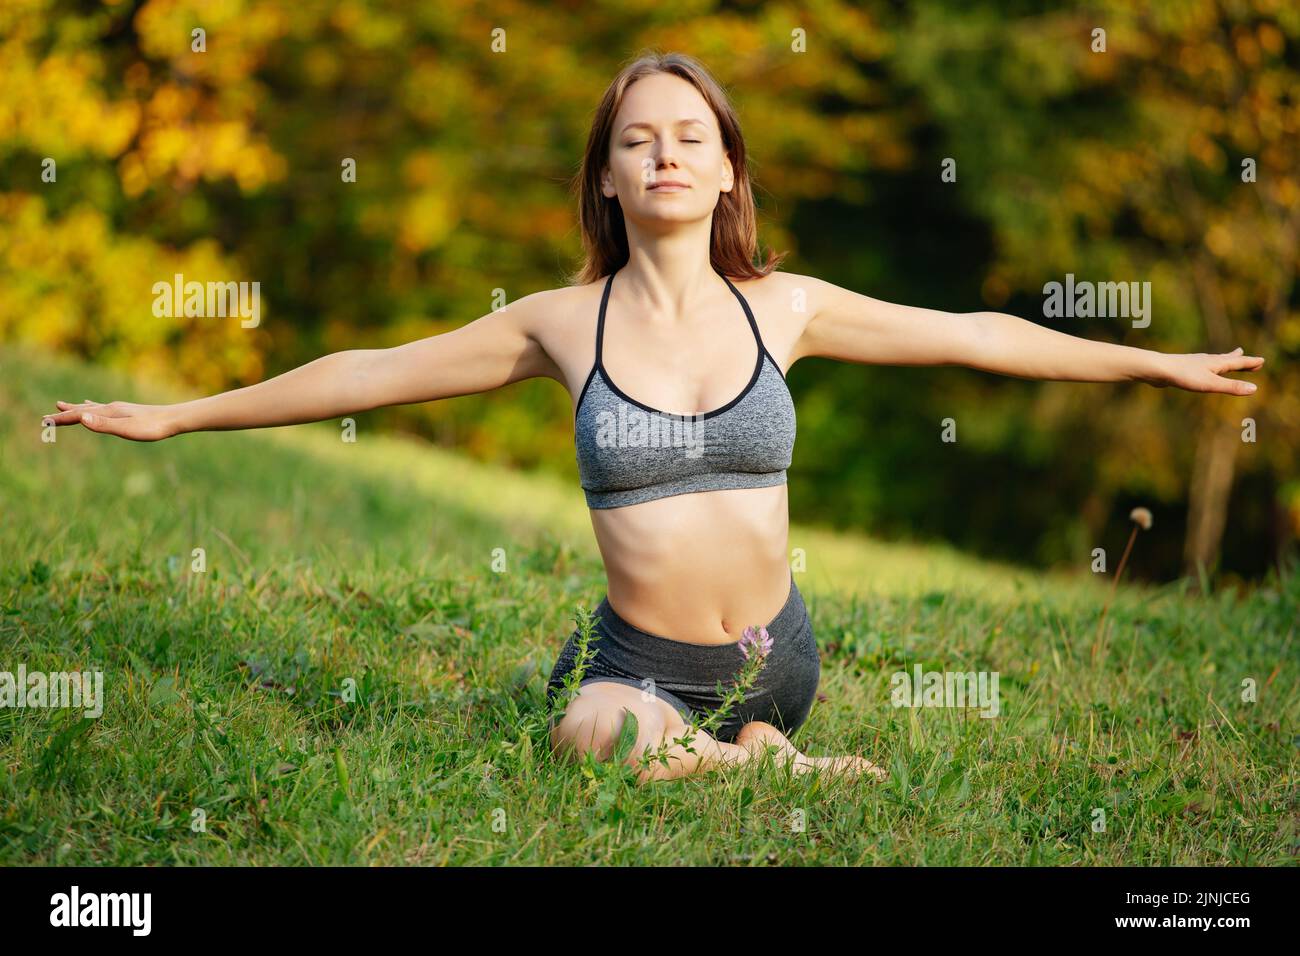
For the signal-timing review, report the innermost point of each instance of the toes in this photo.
(870, 769)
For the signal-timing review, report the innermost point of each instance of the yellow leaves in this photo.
(163, 148)
(1288, 191)
(17, 14)
(1247, 49)
(378, 32)
(1206, 152)
(221, 145)
(259, 165)
(347, 16)
(191, 136)
(421, 168)
(50, 320)
(873, 133)
(1219, 239)
(426, 220)
(429, 91)
(367, 26)
(55, 105)
(71, 283)
(118, 124)
(164, 26)
(1210, 119)
(131, 173)
(208, 150)
(1271, 39)
(237, 37)
(172, 103)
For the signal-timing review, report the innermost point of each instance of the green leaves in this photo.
(626, 736)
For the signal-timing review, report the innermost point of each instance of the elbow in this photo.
(358, 377)
(975, 339)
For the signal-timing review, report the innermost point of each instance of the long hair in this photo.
(734, 237)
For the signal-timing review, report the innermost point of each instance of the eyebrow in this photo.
(681, 122)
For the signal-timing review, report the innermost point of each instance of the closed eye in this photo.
(642, 142)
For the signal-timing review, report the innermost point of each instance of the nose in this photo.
(665, 157)
(664, 165)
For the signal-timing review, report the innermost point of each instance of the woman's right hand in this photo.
(123, 419)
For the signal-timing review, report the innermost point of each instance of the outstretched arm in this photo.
(856, 328)
(494, 350)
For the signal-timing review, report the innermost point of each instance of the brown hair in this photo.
(604, 235)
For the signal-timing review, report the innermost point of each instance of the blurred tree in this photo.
(1169, 156)
(463, 123)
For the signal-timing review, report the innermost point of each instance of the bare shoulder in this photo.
(562, 321)
(790, 284)
(548, 309)
(784, 292)
(783, 303)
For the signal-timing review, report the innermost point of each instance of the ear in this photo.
(728, 173)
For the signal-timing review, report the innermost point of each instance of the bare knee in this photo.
(594, 720)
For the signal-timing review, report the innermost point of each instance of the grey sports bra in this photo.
(629, 453)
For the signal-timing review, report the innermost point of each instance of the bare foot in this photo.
(756, 735)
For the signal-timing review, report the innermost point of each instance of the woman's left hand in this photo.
(1200, 372)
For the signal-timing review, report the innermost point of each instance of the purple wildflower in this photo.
(755, 638)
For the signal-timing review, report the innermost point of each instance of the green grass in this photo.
(333, 565)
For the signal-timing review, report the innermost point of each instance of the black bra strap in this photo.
(748, 314)
(600, 322)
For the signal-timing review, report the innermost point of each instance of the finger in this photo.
(70, 417)
(121, 426)
(100, 423)
(1249, 361)
(1231, 362)
(1234, 386)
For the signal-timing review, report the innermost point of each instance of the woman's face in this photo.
(664, 133)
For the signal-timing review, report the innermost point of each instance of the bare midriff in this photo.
(700, 567)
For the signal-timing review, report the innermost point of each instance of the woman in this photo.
(688, 505)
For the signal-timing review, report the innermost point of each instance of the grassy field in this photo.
(349, 681)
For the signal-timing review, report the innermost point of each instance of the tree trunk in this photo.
(1216, 442)
(1211, 487)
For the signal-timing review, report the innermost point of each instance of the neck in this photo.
(670, 274)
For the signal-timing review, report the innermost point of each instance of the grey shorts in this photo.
(685, 675)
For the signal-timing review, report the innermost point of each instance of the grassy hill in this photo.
(348, 680)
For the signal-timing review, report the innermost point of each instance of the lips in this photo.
(668, 182)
